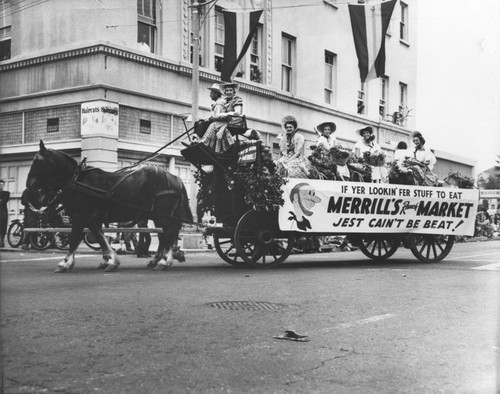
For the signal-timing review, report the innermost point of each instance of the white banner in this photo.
(352, 207)
(99, 117)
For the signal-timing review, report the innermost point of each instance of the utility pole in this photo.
(196, 60)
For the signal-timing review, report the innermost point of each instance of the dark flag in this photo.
(369, 24)
(239, 28)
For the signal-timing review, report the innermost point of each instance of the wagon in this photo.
(392, 215)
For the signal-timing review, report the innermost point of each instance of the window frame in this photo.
(403, 23)
(146, 23)
(361, 101)
(53, 125)
(288, 62)
(383, 100)
(219, 40)
(331, 79)
(255, 51)
(403, 103)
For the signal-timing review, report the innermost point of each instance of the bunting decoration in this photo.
(369, 24)
(239, 28)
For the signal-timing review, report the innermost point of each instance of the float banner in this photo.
(354, 207)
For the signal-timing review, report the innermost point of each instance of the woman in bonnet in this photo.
(292, 149)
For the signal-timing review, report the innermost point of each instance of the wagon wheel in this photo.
(227, 250)
(377, 247)
(15, 234)
(41, 240)
(259, 241)
(430, 248)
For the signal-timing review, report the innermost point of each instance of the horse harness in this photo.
(107, 195)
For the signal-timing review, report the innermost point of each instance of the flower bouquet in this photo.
(460, 180)
(339, 155)
(400, 174)
(375, 159)
(320, 157)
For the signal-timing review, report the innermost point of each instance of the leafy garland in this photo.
(462, 181)
(261, 184)
(400, 174)
(374, 159)
(206, 190)
(358, 167)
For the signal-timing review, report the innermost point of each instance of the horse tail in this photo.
(185, 204)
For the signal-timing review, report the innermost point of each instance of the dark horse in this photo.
(92, 197)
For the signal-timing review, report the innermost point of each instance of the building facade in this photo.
(112, 80)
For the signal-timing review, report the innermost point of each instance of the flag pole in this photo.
(196, 61)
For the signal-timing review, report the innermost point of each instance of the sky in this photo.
(458, 77)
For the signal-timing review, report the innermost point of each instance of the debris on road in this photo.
(291, 335)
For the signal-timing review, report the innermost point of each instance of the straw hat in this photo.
(321, 126)
(367, 128)
(233, 85)
(215, 87)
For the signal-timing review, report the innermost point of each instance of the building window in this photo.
(52, 125)
(402, 113)
(5, 43)
(384, 88)
(219, 39)
(361, 107)
(403, 24)
(5, 27)
(256, 56)
(146, 27)
(330, 77)
(144, 126)
(287, 62)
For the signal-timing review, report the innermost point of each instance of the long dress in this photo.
(217, 135)
(290, 144)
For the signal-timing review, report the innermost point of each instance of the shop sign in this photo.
(353, 207)
(99, 117)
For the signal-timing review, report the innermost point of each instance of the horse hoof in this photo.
(102, 266)
(111, 268)
(161, 267)
(60, 270)
(151, 264)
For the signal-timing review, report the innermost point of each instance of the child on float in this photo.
(327, 141)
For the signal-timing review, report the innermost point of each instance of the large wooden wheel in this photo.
(378, 247)
(430, 248)
(225, 248)
(259, 241)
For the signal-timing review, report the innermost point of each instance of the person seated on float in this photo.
(217, 135)
(421, 153)
(291, 144)
(327, 141)
(367, 144)
(201, 126)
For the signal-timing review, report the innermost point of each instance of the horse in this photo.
(92, 197)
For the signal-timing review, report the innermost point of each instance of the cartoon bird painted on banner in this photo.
(303, 198)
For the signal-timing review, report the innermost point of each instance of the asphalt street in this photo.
(204, 326)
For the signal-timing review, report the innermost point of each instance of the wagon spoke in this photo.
(434, 250)
(377, 247)
(428, 249)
